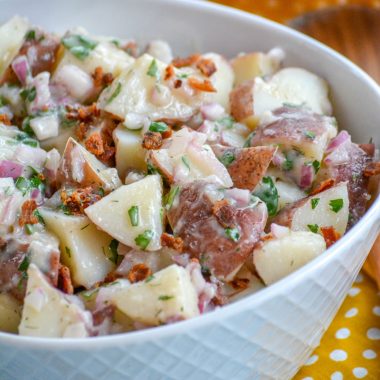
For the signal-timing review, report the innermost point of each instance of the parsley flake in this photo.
(144, 239)
(336, 204)
(158, 126)
(268, 194)
(153, 69)
(314, 202)
(316, 165)
(115, 94)
(313, 228)
(78, 45)
(134, 216)
(227, 158)
(310, 135)
(28, 94)
(150, 278)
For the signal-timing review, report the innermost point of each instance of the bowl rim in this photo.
(249, 301)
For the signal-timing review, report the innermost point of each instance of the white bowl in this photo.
(270, 334)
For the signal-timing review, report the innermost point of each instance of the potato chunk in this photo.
(10, 313)
(47, 312)
(169, 295)
(328, 208)
(84, 249)
(132, 213)
(82, 168)
(276, 258)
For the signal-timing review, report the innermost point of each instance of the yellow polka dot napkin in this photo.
(350, 349)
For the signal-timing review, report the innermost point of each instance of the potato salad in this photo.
(139, 188)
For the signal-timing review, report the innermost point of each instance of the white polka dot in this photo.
(359, 279)
(338, 355)
(360, 372)
(376, 310)
(312, 360)
(353, 292)
(351, 313)
(337, 376)
(373, 333)
(342, 333)
(369, 354)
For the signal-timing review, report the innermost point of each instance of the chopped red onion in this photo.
(307, 176)
(21, 68)
(10, 169)
(341, 138)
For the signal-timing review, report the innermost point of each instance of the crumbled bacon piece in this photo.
(5, 119)
(205, 86)
(240, 283)
(101, 79)
(54, 268)
(111, 277)
(152, 140)
(169, 72)
(323, 186)
(108, 155)
(168, 133)
(188, 61)
(139, 272)
(330, 235)
(177, 83)
(27, 213)
(372, 169)
(224, 213)
(206, 66)
(64, 280)
(78, 200)
(267, 237)
(170, 241)
(94, 144)
(85, 113)
(81, 131)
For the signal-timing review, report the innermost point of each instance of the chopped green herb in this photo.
(26, 126)
(80, 46)
(314, 202)
(313, 228)
(89, 294)
(310, 135)
(29, 229)
(22, 184)
(203, 258)
(233, 234)
(144, 239)
(150, 278)
(170, 196)
(115, 94)
(101, 191)
(153, 69)
(227, 158)
(316, 165)
(182, 75)
(113, 249)
(336, 204)
(30, 35)
(31, 142)
(23, 267)
(28, 94)
(64, 209)
(165, 298)
(151, 169)
(158, 126)
(186, 162)
(268, 194)
(134, 216)
(227, 122)
(288, 164)
(116, 43)
(68, 251)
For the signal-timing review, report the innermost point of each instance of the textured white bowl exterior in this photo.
(270, 334)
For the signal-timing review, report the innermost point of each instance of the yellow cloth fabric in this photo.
(350, 349)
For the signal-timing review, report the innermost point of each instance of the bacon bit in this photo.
(188, 61)
(152, 140)
(368, 148)
(205, 86)
(266, 237)
(85, 114)
(373, 168)
(330, 235)
(177, 83)
(108, 155)
(323, 186)
(169, 72)
(54, 268)
(5, 119)
(111, 277)
(94, 144)
(27, 213)
(79, 199)
(101, 79)
(224, 213)
(206, 66)
(131, 48)
(168, 133)
(81, 131)
(100, 315)
(220, 299)
(139, 272)
(64, 280)
(170, 241)
(240, 283)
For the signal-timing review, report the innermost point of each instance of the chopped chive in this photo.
(144, 239)
(153, 69)
(314, 202)
(80, 46)
(165, 298)
(158, 126)
(134, 216)
(313, 228)
(22, 184)
(150, 278)
(29, 229)
(310, 135)
(115, 94)
(336, 204)
(169, 198)
(113, 249)
(316, 165)
(186, 162)
(227, 158)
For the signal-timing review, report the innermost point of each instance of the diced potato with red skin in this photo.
(318, 210)
(251, 65)
(184, 158)
(247, 166)
(80, 167)
(241, 101)
(346, 163)
(221, 238)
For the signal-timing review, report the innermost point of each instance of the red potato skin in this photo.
(241, 100)
(193, 220)
(249, 166)
(285, 216)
